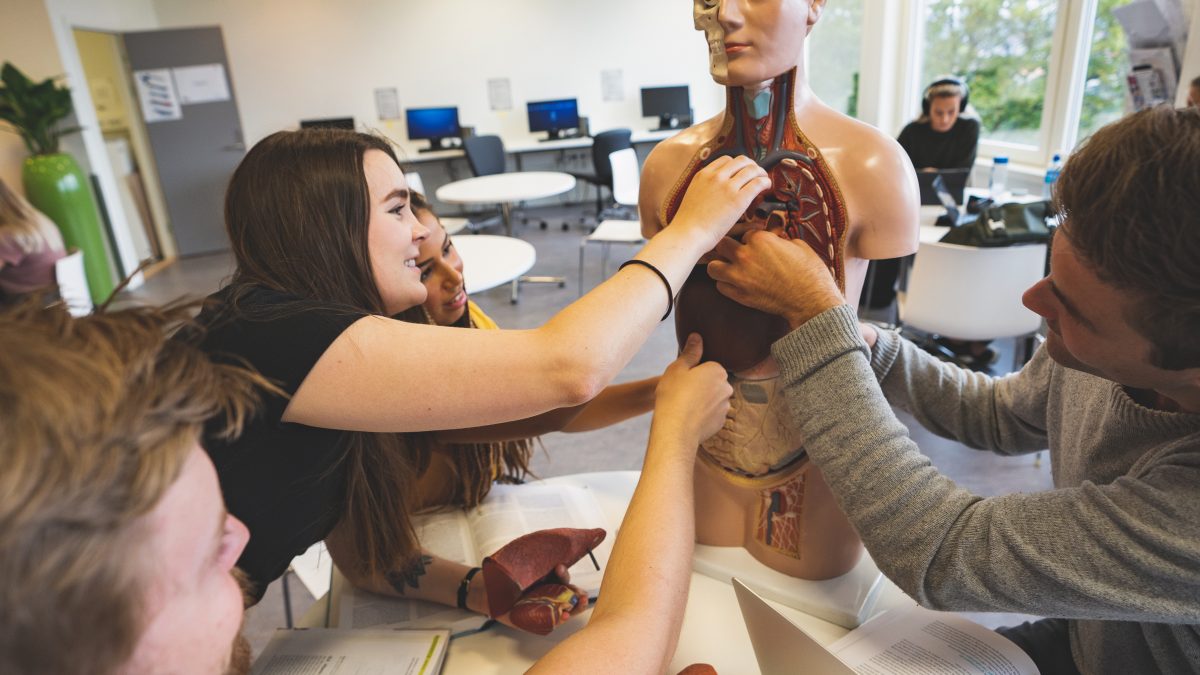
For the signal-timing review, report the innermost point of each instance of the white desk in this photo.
(531, 144)
(713, 631)
(518, 147)
(506, 189)
(929, 232)
(490, 260)
(417, 157)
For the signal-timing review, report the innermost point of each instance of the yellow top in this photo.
(479, 319)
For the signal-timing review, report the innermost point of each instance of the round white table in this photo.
(713, 630)
(490, 260)
(506, 189)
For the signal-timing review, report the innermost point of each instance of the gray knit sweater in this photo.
(1115, 547)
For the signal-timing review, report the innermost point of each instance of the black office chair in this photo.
(603, 145)
(485, 154)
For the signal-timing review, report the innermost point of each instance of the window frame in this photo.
(893, 51)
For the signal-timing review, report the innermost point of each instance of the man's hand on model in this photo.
(775, 275)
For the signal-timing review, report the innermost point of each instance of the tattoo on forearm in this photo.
(410, 575)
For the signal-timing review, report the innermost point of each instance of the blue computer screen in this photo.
(429, 123)
(553, 115)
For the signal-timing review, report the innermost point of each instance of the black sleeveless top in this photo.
(286, 482)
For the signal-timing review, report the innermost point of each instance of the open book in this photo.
(901, 640)
(343, 652)
(508, 512)
(896, 642)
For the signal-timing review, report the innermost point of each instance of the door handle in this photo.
(235, 147)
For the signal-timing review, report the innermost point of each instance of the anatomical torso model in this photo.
(842, 187)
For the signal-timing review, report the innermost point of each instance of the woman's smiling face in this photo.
(394, 234)
(441, 273)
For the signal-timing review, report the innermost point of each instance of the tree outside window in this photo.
(833, 55)
(1108, 64)
(1002, 48)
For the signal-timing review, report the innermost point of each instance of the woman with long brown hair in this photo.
(30, 244)
(326, 247)
(456, 467)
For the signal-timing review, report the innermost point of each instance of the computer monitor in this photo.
(436, 125)
(329, 123)
(953, 184)
(671, 105)
(553, 117)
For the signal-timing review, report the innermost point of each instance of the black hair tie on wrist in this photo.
(652, 268)
(464, 585)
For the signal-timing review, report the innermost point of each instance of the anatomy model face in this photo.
(752, 41)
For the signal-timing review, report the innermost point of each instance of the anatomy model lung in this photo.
(516, 576)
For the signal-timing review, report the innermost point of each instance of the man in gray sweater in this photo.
(1113, 553)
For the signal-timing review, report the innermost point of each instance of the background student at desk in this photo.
(946, 135)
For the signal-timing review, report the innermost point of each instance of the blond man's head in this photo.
(116, 548)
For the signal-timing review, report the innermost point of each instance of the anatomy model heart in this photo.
(803, 203)
(515, 577)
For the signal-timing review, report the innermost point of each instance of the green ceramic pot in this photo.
(57, 187)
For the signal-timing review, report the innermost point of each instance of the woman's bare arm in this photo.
(617, 403)
(383, 375)
(634, 628)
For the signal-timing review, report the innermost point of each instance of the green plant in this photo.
(34, 109)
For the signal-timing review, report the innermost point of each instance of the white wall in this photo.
(28, 42)
(299, 59)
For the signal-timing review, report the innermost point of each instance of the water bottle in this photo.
(998, 185)
(1052, 172)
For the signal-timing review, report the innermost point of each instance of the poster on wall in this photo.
(500, 93)
(156, 92)
(387, 103)
(201, 84)
(612, 85)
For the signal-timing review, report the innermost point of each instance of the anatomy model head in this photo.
(753, 41)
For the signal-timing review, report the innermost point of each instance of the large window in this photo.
(833, 55)
(1003, 48)
(1108, 64)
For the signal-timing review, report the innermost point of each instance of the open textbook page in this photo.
(324, 651)
(508, 512)
(918, 640)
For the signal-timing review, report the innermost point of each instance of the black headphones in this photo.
(927, 101)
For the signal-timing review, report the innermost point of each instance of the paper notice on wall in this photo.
(612, 85)
(387, 103)
(201, 84)
(156, 92)
(500, 93)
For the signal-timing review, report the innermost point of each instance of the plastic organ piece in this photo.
(523, 563)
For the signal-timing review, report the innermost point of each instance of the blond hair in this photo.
(99, 415)
(18, 222)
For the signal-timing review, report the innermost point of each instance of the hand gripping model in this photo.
(843, 188)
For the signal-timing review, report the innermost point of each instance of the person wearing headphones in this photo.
(946, 135)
